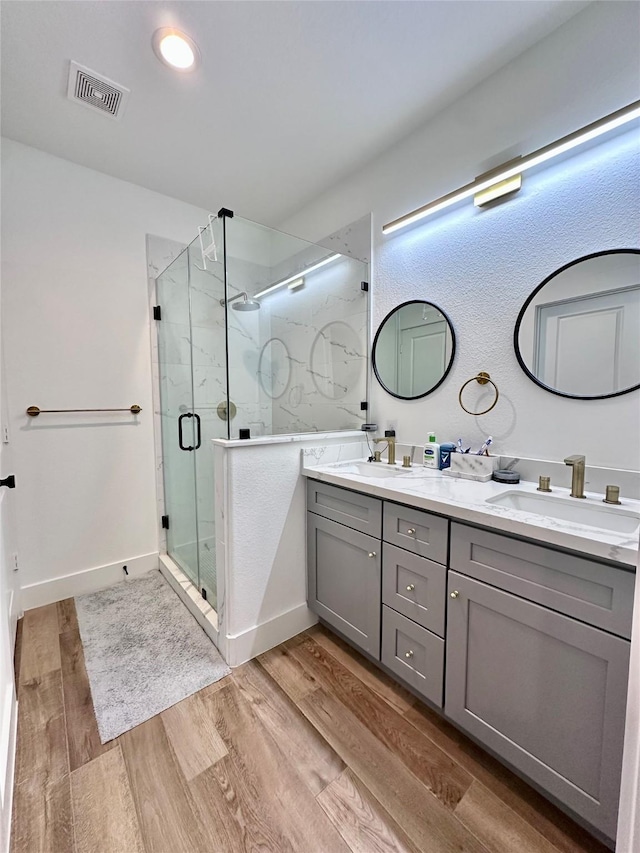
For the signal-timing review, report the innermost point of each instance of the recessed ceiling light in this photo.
(175, 49)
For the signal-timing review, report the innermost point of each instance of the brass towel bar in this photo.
(34, 411)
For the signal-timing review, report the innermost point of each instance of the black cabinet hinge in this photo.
(364, 285)
(9, 482)
(224, 211)
(364, 406)
(157, 312)
(165, 522)
(204, 593)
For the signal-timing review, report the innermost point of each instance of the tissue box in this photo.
(468, 466)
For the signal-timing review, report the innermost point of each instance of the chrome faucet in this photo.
(391, 448)
(577, 475)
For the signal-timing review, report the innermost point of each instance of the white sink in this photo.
(571, 509)
(378, 469)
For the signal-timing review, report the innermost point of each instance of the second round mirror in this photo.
(413, 349)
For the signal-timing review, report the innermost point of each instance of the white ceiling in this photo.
(290, 96)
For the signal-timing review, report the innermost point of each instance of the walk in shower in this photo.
(259, 331)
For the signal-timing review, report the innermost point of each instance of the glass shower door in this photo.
(209, 367)
(180, 428)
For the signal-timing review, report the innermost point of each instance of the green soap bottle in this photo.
(431, 452)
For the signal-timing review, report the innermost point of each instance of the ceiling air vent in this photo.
(95, 91)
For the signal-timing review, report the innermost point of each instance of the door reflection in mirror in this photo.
(413, 349)
(578, 334)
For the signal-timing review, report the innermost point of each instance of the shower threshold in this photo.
(199, 608)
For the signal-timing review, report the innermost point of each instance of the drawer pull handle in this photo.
(409, 654)
(411, 531)
(455, 593)
(372, 553)
(411, 587)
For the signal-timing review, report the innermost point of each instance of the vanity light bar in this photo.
(297, 276)
(522, 164)
(511, 185)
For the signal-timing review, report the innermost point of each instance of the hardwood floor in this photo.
(307, 749)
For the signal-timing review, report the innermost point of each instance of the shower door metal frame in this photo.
(224, 214)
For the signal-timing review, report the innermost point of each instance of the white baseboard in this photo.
(255, 641)
(89, 580)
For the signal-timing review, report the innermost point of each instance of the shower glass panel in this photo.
(209, 367)
(259, 330)
(176, 400)
(299, 363)
(192, 358)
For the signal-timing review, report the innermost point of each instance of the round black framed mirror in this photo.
(578, 334)
(413, 349)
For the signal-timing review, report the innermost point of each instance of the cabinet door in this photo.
(542, 690)
(344, 586)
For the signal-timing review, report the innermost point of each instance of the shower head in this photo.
(247, 303)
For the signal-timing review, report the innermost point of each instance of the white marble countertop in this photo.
(465, 500)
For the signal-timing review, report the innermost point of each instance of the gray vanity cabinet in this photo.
(532, 659)
(541, 689)
(343, 568)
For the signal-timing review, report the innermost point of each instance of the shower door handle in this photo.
(180, 442)
(199, 433)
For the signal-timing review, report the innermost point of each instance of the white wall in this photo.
(76, 323)
(479, 266)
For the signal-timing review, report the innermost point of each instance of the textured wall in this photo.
(480, 266)
(261, 538)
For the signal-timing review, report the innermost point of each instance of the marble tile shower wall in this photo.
(247, 333)
(318, 368)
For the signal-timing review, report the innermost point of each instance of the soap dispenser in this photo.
(432, 452)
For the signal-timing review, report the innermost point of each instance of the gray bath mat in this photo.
(144, 652)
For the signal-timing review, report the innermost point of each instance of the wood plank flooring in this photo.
(308, 749)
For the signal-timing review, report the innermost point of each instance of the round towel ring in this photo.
(482, 379)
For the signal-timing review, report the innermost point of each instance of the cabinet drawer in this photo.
(344, 581)
(357, 511)
(414, 530)
(592, 592)
(546, 692)
(414, 654)
(415, 587)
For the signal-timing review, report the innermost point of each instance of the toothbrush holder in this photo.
(468, 466)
